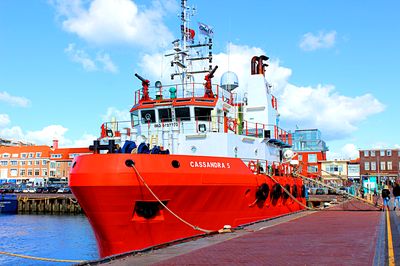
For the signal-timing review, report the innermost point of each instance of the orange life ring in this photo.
(232, 125)
(252, 166)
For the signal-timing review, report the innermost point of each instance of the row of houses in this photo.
(36, 164)
(374, 167)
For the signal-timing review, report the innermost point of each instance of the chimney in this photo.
(55, 144)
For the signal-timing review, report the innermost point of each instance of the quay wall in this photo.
(48, 204)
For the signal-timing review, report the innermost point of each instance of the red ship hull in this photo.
(208, 192)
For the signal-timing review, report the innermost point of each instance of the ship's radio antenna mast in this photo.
(183, 53)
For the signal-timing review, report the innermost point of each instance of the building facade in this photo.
(36, 164)
(310, 150)
(379, 166)
(334, 172)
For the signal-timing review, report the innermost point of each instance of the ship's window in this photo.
(164, 115)
(134, 118)
(182, 114)
(148, 116)
(202, 114)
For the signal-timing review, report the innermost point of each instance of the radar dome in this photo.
(229, 81)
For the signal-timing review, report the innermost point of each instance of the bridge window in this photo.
(148, 116)
(134, 118)
(182, 114)
(202, 114)
(164, 115)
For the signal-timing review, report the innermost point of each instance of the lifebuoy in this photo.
(232, 125)
(110, 133)
(262, 192)
(252, 166)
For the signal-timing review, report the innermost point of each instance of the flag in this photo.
(206, 30)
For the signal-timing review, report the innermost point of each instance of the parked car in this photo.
(18, 190)
(64, 190)
(52, 189)
(319, 191)
(31, 190)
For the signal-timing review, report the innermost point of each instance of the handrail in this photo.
(214, 124)
(179, 91)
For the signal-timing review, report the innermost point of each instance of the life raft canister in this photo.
(262, 192)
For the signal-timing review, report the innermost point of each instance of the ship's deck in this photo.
(351, 233)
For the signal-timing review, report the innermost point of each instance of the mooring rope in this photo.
(38, 258)
(169, 210)
(344, 192)
(290, 195)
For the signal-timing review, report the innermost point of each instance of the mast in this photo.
(186, 54)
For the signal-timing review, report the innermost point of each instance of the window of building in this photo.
(37, 162)
(23, 155)
(312, 158)
(58, 164)
(372, 153)
(30, 162)
(3, 163)
(44, 162)
(366, 153)
(13, 163)
(31, 155)
(182, 114)
(13, 172)
(37, 171)
(389, 152)
(22, 172)
(30, 172)
(383, 166)
(148, 116)
(52, 164)
(55, 156)
(44, 172)
(38, 154)
(202, 114)
(373, 166)
(382, 153)
(300, 157)
(312, 169)
(52, 173)
(366, 166)
(389, 165)
(22, 162)
(164, 115)
(6, 155)
(69, 164)
(14, 155)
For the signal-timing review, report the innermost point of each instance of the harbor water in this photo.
(50, 236)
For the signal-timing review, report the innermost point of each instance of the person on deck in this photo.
(385, 197)
(396, 194)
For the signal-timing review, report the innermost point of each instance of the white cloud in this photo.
(118, 115)
(311, 42)
(321, 106)
(108, 64)
(46, 135)
(4, 120)
(14, 100)
(117, 21)
(82, 57)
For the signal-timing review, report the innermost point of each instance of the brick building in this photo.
(310, 150)
(379, 165)
(36, 163)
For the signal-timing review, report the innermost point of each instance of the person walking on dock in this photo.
(385, 197)
(396, 194)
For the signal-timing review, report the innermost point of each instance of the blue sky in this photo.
(67, 66)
